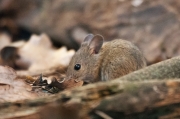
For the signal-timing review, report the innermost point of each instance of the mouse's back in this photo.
(120, 57)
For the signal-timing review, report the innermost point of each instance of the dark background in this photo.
(153, 25)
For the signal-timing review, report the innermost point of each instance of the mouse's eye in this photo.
(77, 66)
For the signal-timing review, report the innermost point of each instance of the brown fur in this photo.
(114, 59)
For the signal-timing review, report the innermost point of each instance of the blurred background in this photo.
(153, 25)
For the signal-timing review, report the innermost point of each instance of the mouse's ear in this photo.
(88, 38)
(96, 44)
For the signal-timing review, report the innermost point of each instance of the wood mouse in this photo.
(98, 61)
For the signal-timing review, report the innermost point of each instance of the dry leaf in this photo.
(65, 84)
(39, 54)
(5, 40)
(38, 51)
(12, 89)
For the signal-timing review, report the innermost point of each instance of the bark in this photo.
(162, 70)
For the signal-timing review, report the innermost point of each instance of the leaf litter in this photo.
(32, 69)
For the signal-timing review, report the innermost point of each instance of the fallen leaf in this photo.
(38, 54)
(11, 88)
(5, 40)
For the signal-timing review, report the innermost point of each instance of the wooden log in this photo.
(162, 70)
(153, 99)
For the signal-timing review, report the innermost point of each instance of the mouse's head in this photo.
(84, 64)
